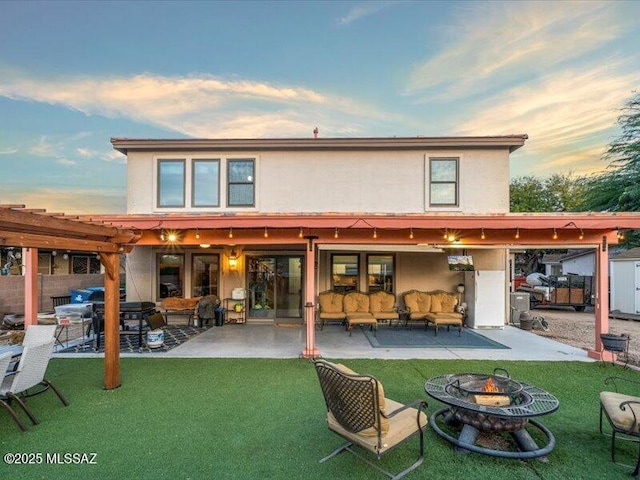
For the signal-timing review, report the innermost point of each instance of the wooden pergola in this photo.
(33, 229)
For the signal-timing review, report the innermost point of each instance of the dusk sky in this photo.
(75, 74)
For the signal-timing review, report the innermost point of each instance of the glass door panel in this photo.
(289, 287)
(261, 283)
(275, 286)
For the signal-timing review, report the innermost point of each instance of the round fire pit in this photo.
(491, 404)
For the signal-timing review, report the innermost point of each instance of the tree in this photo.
(617, 189)
(556, 193)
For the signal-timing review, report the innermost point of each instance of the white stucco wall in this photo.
(336, 181)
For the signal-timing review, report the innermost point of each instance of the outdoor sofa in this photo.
(437, 307)
(356, 308)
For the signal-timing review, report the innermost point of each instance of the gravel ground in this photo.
(578, 329)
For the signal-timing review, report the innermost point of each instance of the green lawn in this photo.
(253, 419)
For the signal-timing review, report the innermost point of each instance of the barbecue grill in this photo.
(129, 311)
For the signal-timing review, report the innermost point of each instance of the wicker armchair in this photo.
(30, 373)
(623, 413)
(357, 411)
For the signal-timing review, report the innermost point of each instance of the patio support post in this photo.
(30, 261)
(602, 300)
(310, 350)
(111, 262)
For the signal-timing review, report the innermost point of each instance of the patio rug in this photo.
(174, 335)
(390, 337)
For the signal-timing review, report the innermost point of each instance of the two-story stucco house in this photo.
(285, 219)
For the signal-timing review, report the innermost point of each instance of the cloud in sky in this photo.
(199, 106)
(72, 200)
(547, 72)
(66, 162)
(493, 43)
(363, 10)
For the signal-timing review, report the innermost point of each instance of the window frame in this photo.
(392, 274)
(159, 164)
(455, 183)
(194, 257)
(181, 274)
(194, 161)
(229, 162)
(345, 288)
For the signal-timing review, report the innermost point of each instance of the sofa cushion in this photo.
(444, 318)
(401, 425)
(382, 403)
(179, 303)
(381, 302)
(356, 302)
(448, 302)
(331, 302)
(622, 419)
(332, 316)
(417, 302)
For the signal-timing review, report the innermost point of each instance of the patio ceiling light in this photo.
(482, 235)
(555, 234)
(230, 232)
(411, 233)
(300, 234)
(335, 233)
(581, 234)
(517, 233)
(233, 259)
(170, 236)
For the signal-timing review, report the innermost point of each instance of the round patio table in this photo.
(474, 418)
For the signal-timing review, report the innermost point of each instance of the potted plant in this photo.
(614, 343)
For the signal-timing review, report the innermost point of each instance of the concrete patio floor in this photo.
(267, 341)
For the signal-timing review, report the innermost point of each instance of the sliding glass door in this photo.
(275, 286)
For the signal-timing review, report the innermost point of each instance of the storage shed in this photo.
(625, 282)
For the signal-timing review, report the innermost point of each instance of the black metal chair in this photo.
(623, 413)
(356, 410)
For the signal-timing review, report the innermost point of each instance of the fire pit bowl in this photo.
(488, 389)
(491, 405)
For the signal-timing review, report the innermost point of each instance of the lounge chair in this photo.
(358, 411)
(623, 414)
(30, 373)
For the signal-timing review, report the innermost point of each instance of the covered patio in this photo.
(453, 232)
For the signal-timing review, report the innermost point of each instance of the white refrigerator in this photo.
(484, 293)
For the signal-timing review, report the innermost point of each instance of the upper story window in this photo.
(443, 182)
(171, 183)
(206, 183)
(241, 183)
